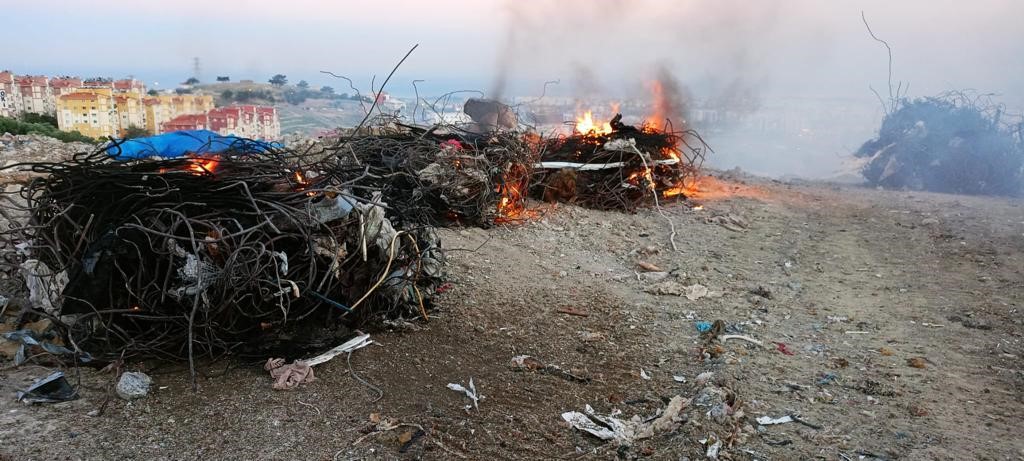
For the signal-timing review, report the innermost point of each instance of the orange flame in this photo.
(202, 165)
(586, 125)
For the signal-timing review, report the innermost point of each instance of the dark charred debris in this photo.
(278, 251)
(957, 142)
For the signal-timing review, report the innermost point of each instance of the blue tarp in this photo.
(179, 143)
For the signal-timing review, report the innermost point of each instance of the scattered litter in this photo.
(529, 363)
(644, 375)
(288, 377)
(703, 326)
(696, 291)
(725, 338)
(762, 292)
(51, 389)
(470, 392)
(29, 337)
(679, 379)
(886, 351)
(133, 385)
(827, 378)
(838, 319)
(358, 342)
(712, 445)
(768, 420)
(916, 362)
(730, 221)
(781, 347)
(570, 310)
(625, 432)
(648, 267)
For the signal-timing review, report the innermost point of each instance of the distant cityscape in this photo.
(102, 107)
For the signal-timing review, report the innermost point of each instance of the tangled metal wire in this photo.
(623, 169)
(205, 255)
(442, 175)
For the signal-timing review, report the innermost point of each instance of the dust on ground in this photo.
(890, 321)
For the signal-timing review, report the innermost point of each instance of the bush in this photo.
(14, 126)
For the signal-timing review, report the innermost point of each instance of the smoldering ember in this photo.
(651, 266)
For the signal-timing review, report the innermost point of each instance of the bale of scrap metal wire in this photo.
(243, 251)
(440, 175)
(622, 168)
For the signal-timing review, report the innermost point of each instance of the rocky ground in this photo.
(889, 327)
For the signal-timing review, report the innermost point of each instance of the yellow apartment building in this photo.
(90, 111)
(162, 108)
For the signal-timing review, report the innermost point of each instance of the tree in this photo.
(135, 132)
(327, 90)
(303, 84)
(192, 81)
(152, 92)
(227, 94)
(278, 80)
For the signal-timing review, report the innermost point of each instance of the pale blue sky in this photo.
(779, 46)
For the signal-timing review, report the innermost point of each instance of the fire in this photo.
(586, 125)
(202, 165)
(645, 173)
(299, 177)
(512, 205)
(681, 189)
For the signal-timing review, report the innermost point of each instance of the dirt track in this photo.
(861, 282)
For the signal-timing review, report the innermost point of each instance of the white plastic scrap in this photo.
(470, 392)
(358, 342)
(644, 375)
(768, 420)
(713, 444)
(625, 432)
(44, 286)
(679, 379)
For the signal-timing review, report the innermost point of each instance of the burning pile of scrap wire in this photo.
(247, 250)
(441, 175)
(619, 166)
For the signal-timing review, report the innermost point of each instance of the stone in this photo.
(133, 385)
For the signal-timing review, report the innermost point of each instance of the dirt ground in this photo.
(898, 314)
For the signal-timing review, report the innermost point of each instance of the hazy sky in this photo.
(787, 47)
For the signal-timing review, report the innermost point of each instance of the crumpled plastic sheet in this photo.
(29, 338)
(51, 389)
(625, 432)
(44, 286)
(470, 392)
(289, 376)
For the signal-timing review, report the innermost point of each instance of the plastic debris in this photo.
(696, 291)
(470, 392)
(625, 432)
(703, 326)
(51, 389)
(781, 347)
(28, 337)
(289, 376)
(713, 444)
(358, 342)
(133, 385)
(530, 363)
(648, 267)
(768, 420)
(725, 338)
(679, 379)
(644, 375)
